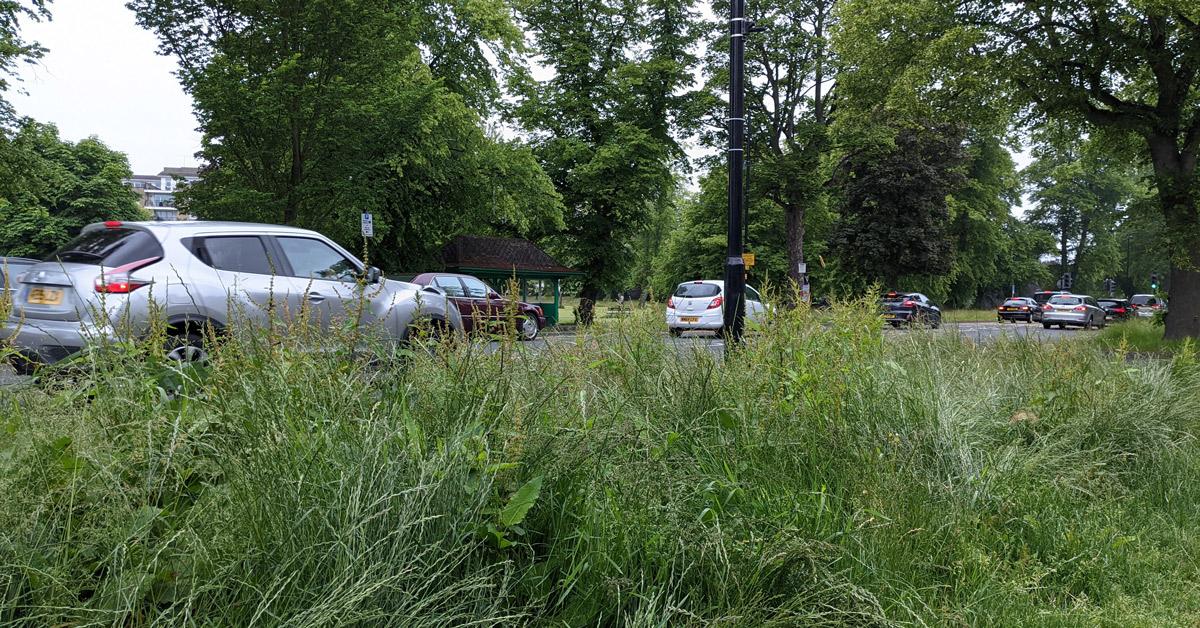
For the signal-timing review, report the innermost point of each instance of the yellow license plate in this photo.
(45, 296)
(689, 319)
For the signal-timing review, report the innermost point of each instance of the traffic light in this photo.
(1154, 281)
(1067, 281)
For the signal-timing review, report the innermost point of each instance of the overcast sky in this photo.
(102, 77)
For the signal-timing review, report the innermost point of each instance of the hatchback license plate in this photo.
(45, 296)
(690, 319)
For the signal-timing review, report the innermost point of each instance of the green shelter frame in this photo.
(499, 260)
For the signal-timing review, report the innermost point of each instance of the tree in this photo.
(894, 213)
(1080, 194)
(602, 124)
(61, 187)
(789, 90)
(313, 112)
(1128, 67)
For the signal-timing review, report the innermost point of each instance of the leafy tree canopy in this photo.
(52, 189)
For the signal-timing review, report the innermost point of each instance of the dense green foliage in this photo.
(826, 476)
(50, 188)
(602, 123)
(894, 215)
(315, 112)
(1081, 193)
(1128, 70)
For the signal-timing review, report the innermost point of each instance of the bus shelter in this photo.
(500, 260)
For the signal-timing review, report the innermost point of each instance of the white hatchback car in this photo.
(698, 305)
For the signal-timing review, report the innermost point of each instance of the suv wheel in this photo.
(187, 347)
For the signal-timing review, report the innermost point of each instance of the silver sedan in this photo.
(1076, 310)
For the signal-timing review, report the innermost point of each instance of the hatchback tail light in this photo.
(1119, 310)
(670, 303)
(909, 303)
(1079, 308)
(715, 303)
(1024, 308)
(118, 281)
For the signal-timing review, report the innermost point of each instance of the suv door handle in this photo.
(316, 297)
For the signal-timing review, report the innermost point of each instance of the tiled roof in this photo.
(499, 254)
(179, 172)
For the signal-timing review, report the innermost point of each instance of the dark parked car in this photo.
(910, 308)
(1116, 309)
(1043, 296)
(1019, 309)
(482, 307)
(10, 269)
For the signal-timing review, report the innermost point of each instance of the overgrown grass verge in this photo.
(818, 477)
(1139, 336)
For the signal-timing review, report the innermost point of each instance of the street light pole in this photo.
(735, 267)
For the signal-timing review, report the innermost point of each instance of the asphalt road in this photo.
(979, 332)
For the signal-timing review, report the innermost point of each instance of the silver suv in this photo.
(109, 281)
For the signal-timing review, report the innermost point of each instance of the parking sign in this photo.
(368, 226)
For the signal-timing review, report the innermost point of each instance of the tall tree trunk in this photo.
(1179, 195)
(795, 242)
(1183, 304)
(588, 295)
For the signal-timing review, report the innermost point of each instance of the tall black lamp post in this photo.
(735, 267)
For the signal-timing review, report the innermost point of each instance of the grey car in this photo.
(115, 276)
(1077, 310)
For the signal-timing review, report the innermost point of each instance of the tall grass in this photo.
(819, 476)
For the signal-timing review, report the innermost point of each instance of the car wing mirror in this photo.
(373, 275)
(494, 296)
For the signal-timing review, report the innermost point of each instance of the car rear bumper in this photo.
(48, 341)
(708, 319)
(1018, 315)
(1065, 318)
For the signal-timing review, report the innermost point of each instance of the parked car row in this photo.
(115, 276)
(1065, 308)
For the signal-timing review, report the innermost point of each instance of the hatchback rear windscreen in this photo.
(1066, 301)
(697, 290)
(1017, 302)
(108, 247)
(1142, 299)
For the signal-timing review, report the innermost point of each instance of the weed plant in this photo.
(820, 475)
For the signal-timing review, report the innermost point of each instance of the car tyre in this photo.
(674, 332)
(187, 348)
(1062, 325)
(528, 329)
(1045, 325)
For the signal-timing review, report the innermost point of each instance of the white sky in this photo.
(102, 77)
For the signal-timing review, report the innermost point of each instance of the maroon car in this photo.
(483, 307)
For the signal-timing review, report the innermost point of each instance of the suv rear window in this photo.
(109, 247)
(1142, 299)
(697, 290)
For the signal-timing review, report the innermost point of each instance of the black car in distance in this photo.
(1019, 309)
(1117, 309)
(910, 308)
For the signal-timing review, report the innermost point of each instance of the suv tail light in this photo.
(118, 281)
(715, 303)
